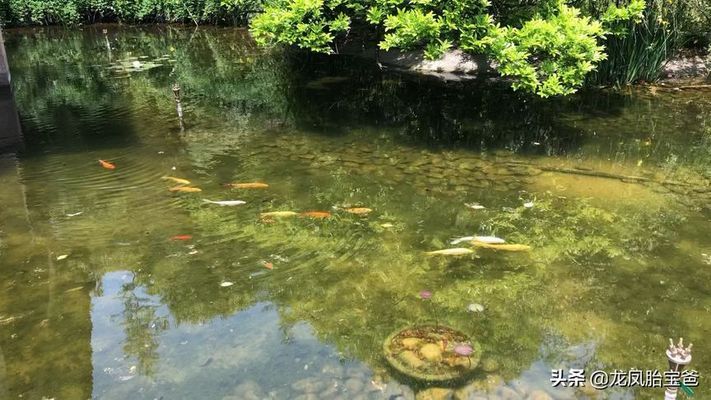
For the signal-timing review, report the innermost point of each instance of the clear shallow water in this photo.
(619, 225)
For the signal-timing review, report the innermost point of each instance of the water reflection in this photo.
(618, 207)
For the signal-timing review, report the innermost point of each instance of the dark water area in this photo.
(112, 285)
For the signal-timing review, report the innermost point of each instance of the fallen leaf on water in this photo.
(226, 284)
(62, 257)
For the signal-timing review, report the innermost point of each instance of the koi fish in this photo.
(278, 214)
(107, 164)
(225, 202)
(182, 237)
(267, 265)
(482, 239)
(185, 189)
(249, 185)
(358, 210)
(474, 206)
(316, 214)
(458, 251)
(176, 180)
(504, 247)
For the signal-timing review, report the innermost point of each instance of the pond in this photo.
(114, 286)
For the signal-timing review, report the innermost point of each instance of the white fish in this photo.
(474, 206)
(528, 204)
(62, 257)
(488, 239)
(75, 214)
(226, 284)
(474, 307)
(226, 202)
(483, 239)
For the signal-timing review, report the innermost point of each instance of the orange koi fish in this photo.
(106, 164)
(249, 185)
(358, 210)
(316, 214)
(185, 189)
(182, 237)
(267, 265)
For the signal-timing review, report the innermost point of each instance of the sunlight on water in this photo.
(115, 286)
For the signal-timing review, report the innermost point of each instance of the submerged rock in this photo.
(435, 394)
(411, 359)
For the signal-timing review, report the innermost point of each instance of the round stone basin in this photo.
(427, 352)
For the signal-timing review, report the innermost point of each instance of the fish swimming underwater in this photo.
(181, 237)
(316, 214)
(358, 210)
(482, 239)
(504, 247)
(107, 164)
(458, 251)
(226, 202)
(474, 206)
(185, 189)
(248, 185)
(176, 180)
(278, 214)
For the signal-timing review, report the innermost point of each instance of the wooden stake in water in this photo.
(178, 106)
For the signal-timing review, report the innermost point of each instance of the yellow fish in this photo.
(249, 185)
(457, 251)
(176, 180)
(185, 189)
(358, 210)
(504, 247)
(278, 214)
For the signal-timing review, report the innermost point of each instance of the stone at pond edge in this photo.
(435, 394)
(431, 352)
(539, 395)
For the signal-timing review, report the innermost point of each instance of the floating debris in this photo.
(225, 203)
(226, 284)
(62, 257)
(107, 164)
(458, 251)
(176, 180)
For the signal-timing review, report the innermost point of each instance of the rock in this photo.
(489, 365)
(307, 396)
(309, 385)
(248, 390)
(329, 393)
(539, 395)
(354, 385)
(396, 391)
(333, 370)
(431, 352)
(411, 343)
(469, 392)
(411, 359)
(435, 394)
(506, 393)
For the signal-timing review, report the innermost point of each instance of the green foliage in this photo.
(46, 12)
(549, 54)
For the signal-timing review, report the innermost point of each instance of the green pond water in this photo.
(98, 301)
